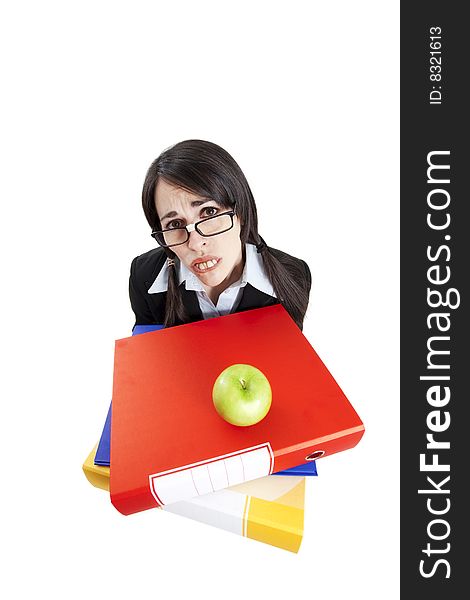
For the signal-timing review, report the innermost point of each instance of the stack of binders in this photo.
(170, 449)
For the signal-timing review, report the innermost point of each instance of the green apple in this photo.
(242, 395)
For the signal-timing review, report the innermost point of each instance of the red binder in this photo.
(167, 441)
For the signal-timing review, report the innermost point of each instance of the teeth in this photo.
(206, 265)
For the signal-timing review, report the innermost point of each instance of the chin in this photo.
(212, 279)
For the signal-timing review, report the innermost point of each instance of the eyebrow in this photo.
(194, 203)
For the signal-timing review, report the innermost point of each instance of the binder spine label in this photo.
(211, 475)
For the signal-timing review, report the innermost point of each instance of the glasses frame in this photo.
(193, 227)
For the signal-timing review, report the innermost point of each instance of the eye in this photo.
(209, 211)
(174, 224)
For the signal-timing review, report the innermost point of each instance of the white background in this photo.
(305, 97)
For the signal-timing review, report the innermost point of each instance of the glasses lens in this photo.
(171, 237)
(215, 225)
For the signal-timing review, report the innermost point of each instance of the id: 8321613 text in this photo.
(435, 65)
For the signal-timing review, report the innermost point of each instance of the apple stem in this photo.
(243, 382)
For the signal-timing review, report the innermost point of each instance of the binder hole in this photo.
(314, 455)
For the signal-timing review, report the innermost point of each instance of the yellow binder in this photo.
(269, 509)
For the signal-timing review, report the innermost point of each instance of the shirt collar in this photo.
(253, 273)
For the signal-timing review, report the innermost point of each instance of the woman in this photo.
(211, 260)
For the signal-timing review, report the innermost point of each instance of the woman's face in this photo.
(216, 260)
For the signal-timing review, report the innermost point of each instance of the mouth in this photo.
(205, 264)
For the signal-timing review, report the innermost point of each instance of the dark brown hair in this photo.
(206, 169)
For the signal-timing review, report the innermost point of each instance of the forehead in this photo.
(170, 197)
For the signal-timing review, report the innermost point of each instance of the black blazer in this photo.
(149, 309)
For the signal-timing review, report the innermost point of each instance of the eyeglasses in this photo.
(207, 228)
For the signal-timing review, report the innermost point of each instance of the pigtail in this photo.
(174, 309)
(291, 284)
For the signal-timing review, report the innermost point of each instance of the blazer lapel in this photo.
(191, 305)
(253, 298)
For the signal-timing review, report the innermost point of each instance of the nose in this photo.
(196, 241)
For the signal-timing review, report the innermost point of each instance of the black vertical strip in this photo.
(434, 260)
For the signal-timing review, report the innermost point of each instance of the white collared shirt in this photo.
(228, 301)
